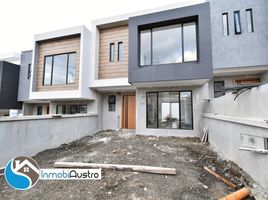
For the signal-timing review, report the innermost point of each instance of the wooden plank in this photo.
(231, 185)
(136, 168)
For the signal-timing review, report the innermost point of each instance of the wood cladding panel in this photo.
(116, 69)
(52, 47)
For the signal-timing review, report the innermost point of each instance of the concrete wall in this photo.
(198, 94)
(227, 119)
(26, 136)
(24, 81)
(246, 49)
(110, 119)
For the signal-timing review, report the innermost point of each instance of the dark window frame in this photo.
(29, 72)
(251, 20)
(216, 91)
(112, 103)
(179, 92)
(52, 67)
(239, 22)
(64, 108)
(150, 28)
(227, 24)
(111, 50)
(118, 51)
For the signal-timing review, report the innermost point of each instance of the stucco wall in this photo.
(26, 136)
(199, 102)
(246, 49)
(227, 119)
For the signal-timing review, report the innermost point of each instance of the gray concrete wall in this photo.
(110, 119)
(26, 136)
(199, 103)
(24, 81)
(246, 49)
(227, 119)
(201, 69)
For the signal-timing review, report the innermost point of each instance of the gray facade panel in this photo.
(245, 49)
(25, 79)
(201, 69)
(9, 86)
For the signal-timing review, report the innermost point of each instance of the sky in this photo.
(21, 19)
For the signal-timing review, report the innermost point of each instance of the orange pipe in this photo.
(238, 195)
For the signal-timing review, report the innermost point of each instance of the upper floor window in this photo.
(59, 69)
(218, 89)
(29, 71)
(249, 20)
(120, 51)
(111, 52)
(225, 24)
(237, 23)
(168, 44)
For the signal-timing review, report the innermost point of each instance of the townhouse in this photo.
(154, 71)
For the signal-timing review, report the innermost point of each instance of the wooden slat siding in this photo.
(62, 45)
(107, 69)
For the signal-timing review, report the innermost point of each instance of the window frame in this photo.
(29, 72)
(111, 52)
(179, 92)
(37, 110)
(52, 68)
(112, 103)
(214, 88)
(118, 51)
(239, 22)
(193, 20)
(64, 108)
(250, 11)
(227, 24)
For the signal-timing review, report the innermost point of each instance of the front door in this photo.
(129, 112)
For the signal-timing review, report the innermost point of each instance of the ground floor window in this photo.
(71, 109)
(39, 110)
(171, 110)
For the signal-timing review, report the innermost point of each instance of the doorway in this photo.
(129, 112)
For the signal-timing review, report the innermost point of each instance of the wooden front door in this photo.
(129, 112)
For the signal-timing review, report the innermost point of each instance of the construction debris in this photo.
(233, 186)
(238, 195)
(135, 168)
(205, 135)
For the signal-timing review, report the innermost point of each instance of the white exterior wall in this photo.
(199, 95)
(111, 120)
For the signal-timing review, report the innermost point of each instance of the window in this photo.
(225, 24)
(71, 109)
(145, 47)
(111, 102)
(218, 89)
(59, 69)
(120, 51)
(237, 22)
(189, 41)
(266, 143)
(29, 71)
(249, 20)
(39, 110)
(172, 110)
(111, 52)
(168, 44)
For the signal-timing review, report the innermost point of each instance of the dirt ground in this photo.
(187, 155)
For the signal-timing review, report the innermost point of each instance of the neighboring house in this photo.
(153, 71)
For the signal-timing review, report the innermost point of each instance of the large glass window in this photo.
(171, 110)
(151, 110)
(225, 25)
(249, 20)
(168, 44)
(189, 41)
(59, 69)
(145, 47)
(237, 22)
